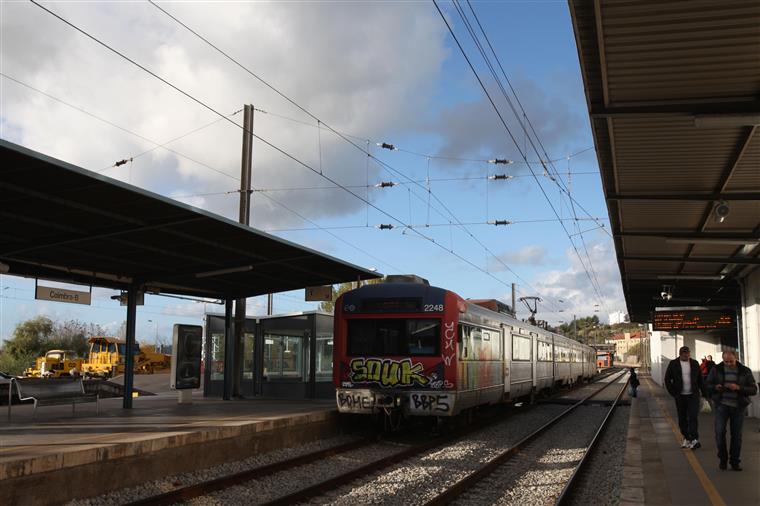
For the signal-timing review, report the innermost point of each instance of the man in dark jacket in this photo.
(730, 385)
(684, 382)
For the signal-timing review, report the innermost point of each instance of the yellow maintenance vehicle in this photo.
(56, 363)
(105, 359)
(107, 354)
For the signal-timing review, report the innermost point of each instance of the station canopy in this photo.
(65, 223)
(673, 92)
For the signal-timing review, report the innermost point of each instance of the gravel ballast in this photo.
(601, 480)
(418, 480)
(170, 483)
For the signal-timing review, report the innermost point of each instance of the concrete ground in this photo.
(84, 454)
(659, 472)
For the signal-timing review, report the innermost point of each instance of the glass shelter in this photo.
(286, 355)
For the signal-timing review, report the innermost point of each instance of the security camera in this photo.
(721, 211)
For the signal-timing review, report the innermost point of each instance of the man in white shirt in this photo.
(684, 382)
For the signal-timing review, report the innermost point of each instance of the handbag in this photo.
(704, 406)
(631, 391)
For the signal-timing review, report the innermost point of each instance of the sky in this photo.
(377, 72)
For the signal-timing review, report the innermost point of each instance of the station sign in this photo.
(695, 319)
(62, 295)
(317, 293)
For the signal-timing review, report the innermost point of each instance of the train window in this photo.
(521, 348)
(478, 344)
(386, 337)
(544, 351)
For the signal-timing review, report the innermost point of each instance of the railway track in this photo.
(467, 484)
(376, 465)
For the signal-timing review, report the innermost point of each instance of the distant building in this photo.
(623, 342)
(618, 317)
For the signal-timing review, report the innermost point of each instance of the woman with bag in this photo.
(633, 383)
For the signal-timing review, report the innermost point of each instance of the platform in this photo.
(658, 472)
(84, 454)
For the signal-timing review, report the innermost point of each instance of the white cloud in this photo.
(534, 254)
(573, 286)
(363, 77)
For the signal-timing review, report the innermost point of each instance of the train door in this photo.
(554, 362)
(506, 357)
(534, 359)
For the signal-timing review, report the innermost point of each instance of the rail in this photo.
(207, 487)
(567, 490)
(204, 488)
(471, 479)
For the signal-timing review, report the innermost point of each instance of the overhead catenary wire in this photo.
(130, 132)
(546, 157)
(311, 115)
(511, 135)
(202, 164)
(428, 225)
(558, 181)
(265, 141)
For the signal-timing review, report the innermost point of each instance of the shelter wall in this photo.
(750, 346)
(664, 348)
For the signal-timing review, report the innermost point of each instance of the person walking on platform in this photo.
(633, 382)
(710, 364)
(684, 383)
(731, 384)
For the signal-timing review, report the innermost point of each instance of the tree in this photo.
(29, 336)
(328, 306)
(35, 337)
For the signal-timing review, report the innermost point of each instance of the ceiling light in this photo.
(726, 120)
(710, 240)
(220, 272)
(721, 211)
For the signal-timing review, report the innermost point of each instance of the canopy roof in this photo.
(66, 223)
(673, 92)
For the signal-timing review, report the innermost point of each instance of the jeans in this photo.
(688, 411)
(725, 415)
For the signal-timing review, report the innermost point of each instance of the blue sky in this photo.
(379, 71)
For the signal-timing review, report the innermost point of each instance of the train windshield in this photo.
(385, 337)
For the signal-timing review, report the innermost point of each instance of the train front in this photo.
(395, 349)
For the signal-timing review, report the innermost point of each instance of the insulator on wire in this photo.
(385, 226)
(385, 184)
(499, 222)
(497, 177)
(502, 161)
(385, 145)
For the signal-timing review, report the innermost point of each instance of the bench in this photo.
(51, 392)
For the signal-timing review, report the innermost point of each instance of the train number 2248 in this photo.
(433, 308)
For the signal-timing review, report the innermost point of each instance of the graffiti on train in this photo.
(388, 373)
(355, 400)
(429, 403)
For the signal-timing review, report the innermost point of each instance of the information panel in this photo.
(694, 320)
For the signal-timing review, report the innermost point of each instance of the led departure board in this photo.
(693, 320)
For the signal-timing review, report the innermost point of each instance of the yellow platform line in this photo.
(704, 480)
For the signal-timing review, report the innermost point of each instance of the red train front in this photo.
(395, 348)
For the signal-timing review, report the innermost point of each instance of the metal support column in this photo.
(129, 358)
(229, 351)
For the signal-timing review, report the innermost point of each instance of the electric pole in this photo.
(245, 216)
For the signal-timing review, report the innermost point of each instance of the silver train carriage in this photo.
(407, 347)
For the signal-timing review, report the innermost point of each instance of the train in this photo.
(405, 348)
